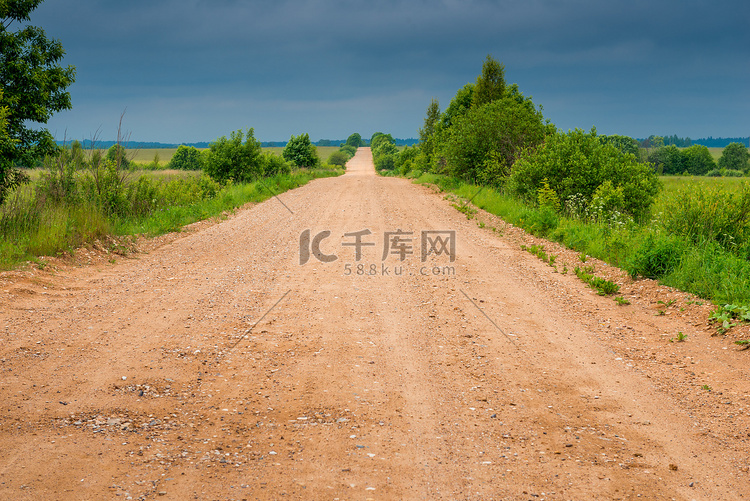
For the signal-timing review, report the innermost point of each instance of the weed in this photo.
(726, 315)
(668, 303)
(622, 301)
(602, 286)
(660, 313)
(582, 257)
(744, 343)
(480, 224)
(680, 338)
(706, 387)
(565, 269)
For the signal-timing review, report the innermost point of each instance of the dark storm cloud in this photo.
(193, 70)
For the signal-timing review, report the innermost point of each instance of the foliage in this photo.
(623, 143)
(668, 160)
(698, 160)
(231, 160)
(338, 158)
(490, 84)
(547, 197)
(459, 105)
(348, 150)
(406, 159)
(354, 140)
(576, 164)
(274, 165)
(10, 178)
(33, 88)
(118, 155)
(427, 133)
(490, 138)
(379, 138)
(384, 152)
(734, 157)
(300, 152)
(186, 158)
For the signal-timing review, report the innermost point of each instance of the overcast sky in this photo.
(194, 70)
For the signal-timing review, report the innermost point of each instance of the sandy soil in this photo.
(220, 366)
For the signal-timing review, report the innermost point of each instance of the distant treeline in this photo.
(685, 142)
(146, 145)
(87, 144)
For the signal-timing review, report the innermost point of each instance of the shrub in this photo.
(732, 173)
(338, 158)
(186, 158)
(576, 164)
(547, 197)
(384, 151)
(231, 160)
(300, 152)
(274, 165)
(348, 150)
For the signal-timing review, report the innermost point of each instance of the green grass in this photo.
(672, 184)
(146, 155)
(32, 224)
(704, 268)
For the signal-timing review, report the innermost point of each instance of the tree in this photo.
(426, 133)
(354, 140)
(9, 177)
(301, 152)
(668, 160)
(33, 86)
(186, 158)
(734, 157)
(655, 142)
(231, 160)
(483, 143)
(490, 84)
(459, 105)
(698, 160)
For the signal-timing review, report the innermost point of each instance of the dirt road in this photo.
(257, 358)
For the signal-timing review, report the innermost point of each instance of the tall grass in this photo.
(698, 241)
(43, 219)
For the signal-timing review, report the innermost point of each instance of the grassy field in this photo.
(674, 183)
(716, 153)
(146, 155)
